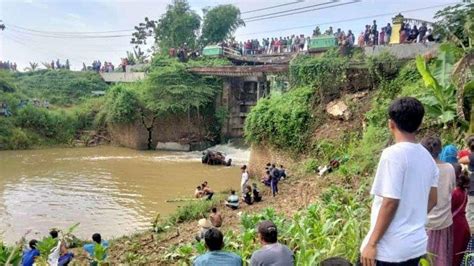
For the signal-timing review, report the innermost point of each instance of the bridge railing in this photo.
(231, 51)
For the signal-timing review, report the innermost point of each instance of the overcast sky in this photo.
(23, 46)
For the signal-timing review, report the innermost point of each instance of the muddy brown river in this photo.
(114, 191)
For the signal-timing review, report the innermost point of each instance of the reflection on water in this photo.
(111, 190)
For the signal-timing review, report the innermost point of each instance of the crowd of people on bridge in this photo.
(370, 36)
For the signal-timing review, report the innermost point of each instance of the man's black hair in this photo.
(214, 209)
(433, 145)
(53, 234)
(97, 238)
(232, 192)
(268, 231)
(214, 239)
(407, 113)
(33, 243)
(198, 187)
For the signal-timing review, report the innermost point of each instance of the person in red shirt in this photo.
(461, 232)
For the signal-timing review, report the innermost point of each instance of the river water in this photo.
(114, 191)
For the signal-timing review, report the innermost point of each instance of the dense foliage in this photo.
(281, 120)
(181, 25)
(59, 87)
(171, 88)
(33, 123)
(456, 23)
(122, 105)
(220, 23)
(326, 73)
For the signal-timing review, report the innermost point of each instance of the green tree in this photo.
(179, 25)
(33, 66)
(456, 23)
(171, 88)
(220, 23)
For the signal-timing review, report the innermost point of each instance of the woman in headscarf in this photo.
(449, 154)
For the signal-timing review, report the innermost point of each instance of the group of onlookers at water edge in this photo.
(59, 255)
(204, 191)
(271, 253)
(420, 196)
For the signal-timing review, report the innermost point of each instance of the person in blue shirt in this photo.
(215, 256)
(97, 239)
(30, 255)
(232, 201)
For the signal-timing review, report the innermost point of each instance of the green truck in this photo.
(321, 43)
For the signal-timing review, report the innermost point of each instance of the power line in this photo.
(291, 10)
(272, 7)
(72, 36)
(348, 20)
(67, 32)
(305, 11)
(43, 51)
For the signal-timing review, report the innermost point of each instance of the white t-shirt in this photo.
(245, 178)
(406, 171)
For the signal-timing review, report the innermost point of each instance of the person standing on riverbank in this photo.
(244, 179)
(404, 190)
(215, 256)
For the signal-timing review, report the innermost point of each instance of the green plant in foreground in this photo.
(440, 100)
(10, 255)
(334, 226)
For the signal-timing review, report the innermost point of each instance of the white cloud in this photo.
(74, 16)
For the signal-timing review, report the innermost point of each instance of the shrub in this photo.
(193, 210)
(122, 105)
(327, 73)
(281, 120)
(58, 126)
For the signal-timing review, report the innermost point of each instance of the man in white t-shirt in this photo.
(244, 179)
(404, 189)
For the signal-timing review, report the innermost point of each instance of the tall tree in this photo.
(179, 25)
(220, 23)
(455, 23)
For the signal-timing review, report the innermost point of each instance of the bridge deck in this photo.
(240, 71)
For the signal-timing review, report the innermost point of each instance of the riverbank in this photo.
(296, 194)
